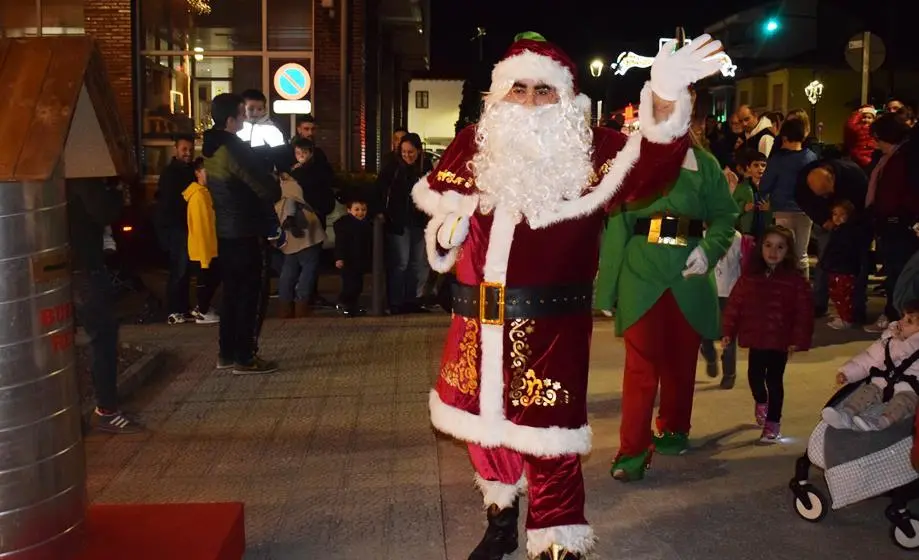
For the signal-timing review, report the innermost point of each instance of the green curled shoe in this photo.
(629, 469)
(671, 443)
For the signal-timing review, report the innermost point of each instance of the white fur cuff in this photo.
(574, 538)
(676, 125)
(498, 493)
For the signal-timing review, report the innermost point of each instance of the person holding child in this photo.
(770, 312)
(892, 366)
(353, 255)
(202, 244)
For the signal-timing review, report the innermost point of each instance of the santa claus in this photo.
(517, 205)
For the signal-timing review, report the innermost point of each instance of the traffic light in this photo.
(771, 26)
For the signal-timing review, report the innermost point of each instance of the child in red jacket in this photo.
(771, 312)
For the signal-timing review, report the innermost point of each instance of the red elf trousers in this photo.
(841, 288)
(661, 348)
(555, 485)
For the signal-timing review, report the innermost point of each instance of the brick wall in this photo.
(327, 81)
(109, 23)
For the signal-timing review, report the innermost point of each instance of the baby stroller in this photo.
(858, 466)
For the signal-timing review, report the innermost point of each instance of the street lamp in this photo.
(814, 91)
(596, 67)
(771, 26)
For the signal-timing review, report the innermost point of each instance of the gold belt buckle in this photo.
(483, 291)
(681, 239)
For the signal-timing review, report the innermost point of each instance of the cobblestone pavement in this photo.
(335, 459)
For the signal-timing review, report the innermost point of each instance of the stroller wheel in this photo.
(816, 510)
(902, 540)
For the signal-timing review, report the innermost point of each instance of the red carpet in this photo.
(165, 532)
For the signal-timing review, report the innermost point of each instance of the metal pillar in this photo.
(378, 295)
(42, 463)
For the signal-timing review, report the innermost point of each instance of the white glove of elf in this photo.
(696, 264)
(673, 72)
(453, 231)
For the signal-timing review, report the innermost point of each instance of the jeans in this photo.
(898, 244)
(94, 308)
(766, 372)
(800, 224)
(242, 267)
(264, 292)
(728, 357)
(407, 267)
(207, 280)
(299, 273)
(177, 287)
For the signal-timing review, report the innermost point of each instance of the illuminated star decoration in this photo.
(200, 7)
(629, 60)
(814, 91)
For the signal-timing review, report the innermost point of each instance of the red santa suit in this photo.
(513, 377)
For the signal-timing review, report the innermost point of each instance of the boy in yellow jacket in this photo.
(202, 244)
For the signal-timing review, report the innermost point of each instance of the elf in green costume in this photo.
(655, 271)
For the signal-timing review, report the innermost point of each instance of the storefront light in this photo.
(199, 54)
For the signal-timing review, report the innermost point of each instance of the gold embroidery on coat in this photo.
(463, 374)
(452, 178)
(604, 169)
(526, 388)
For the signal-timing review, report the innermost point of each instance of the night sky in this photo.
(584, 29)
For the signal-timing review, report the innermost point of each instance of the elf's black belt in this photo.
(669, 230)
(493, 303)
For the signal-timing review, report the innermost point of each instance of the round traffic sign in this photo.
(292, 81)
(855, 50)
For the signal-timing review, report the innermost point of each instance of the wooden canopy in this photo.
(45, 83)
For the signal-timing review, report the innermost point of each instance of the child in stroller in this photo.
(891, 367)
(861, 464)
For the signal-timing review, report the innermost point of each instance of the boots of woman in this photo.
(500, 536)
(285, 309)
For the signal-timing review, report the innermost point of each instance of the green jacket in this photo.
(742, 196)
(634, 274)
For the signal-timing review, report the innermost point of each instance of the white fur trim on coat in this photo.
(539, 442)
(574, 538)
(530, 66)
(676, 125)
(498, 493)
(439, 262)
(434, 203)
(601, 194)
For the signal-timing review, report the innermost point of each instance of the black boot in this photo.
(500, 536)
(559, 553)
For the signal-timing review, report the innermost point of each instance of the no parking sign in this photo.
(292, 81)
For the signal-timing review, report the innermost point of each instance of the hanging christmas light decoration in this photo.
(200, 7)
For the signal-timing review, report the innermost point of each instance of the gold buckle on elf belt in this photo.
(681, 239)
(483, 303)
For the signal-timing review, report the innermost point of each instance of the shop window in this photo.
(177, 94)
(290, 25)
(18, 19)
(421, 100)
(62, 17)
(170, 25)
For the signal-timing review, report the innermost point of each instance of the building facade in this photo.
(166, 59)
(433, 109)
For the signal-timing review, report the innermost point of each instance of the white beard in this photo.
(531, 159)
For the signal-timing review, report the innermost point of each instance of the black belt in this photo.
(493, 303)
(669, 230)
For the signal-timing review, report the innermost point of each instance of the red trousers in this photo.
(841, 287)
(555, 485)
(661, 348)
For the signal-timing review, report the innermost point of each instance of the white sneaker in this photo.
(839, 419)
(838, 324)
(879, 326)
(208, 318)
(177, 319)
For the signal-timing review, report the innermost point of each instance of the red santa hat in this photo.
(531, 57)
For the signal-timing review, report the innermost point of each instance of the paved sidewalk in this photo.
(334, 456)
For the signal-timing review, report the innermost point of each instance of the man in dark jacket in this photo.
(172, 226)
(820, 186)
(244, 196)
(92, 204)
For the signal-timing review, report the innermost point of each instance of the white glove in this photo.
(696, 264)
(453, 231)
(673, 72)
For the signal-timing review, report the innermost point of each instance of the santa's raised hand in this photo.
(674, 71)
